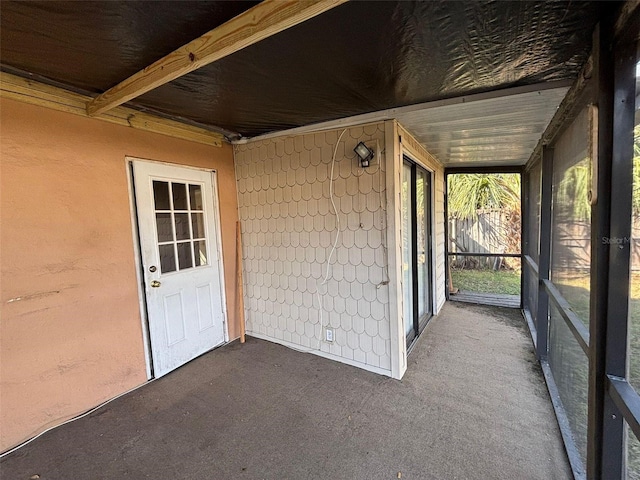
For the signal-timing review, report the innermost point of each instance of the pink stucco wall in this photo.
(70, 326)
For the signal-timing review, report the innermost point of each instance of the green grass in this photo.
(487, 281)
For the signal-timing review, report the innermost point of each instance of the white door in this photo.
(180, 259)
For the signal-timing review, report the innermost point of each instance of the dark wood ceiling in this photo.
(359, 57)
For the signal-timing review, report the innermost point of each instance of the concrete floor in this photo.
(472, 405)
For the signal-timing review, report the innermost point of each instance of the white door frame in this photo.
(432, 215)
(395, 151)
(142, 299)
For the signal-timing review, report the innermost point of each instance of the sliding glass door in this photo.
(416, 248)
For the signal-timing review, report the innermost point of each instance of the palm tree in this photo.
(471, 192)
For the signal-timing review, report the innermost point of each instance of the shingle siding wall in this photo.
(289, 227)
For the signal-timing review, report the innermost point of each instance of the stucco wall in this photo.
(71, 332)
(288, 231)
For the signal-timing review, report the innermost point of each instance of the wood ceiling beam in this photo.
(264, 20)
(36, 93)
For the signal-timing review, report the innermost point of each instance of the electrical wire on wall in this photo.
(383, 223)
(335, 241)
(385, 270)
(78, 417)
(382, 217)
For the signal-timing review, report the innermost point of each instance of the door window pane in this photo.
(179, 196)
(195, 194)
(161, 195)
(422, 215)
(200, 252)
(163, 225)
(184, 255)
(197, 221)
(407, 234)
(167, 258)
(182, 226)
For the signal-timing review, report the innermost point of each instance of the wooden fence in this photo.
(492, 231)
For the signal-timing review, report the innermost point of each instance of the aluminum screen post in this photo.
(544, 261)
(603, 76)
(614, 67)
(613, 450)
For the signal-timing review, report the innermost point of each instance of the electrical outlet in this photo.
(328, 335)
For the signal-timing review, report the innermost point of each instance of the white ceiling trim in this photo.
(399, 112)
(493, 131)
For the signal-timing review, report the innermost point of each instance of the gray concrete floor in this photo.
(472, 405)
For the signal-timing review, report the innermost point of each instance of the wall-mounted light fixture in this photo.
(364, 153)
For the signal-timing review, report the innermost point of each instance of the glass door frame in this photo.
(420, 321)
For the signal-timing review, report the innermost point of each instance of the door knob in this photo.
(155, 284)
